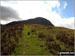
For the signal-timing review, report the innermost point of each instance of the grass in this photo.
(30, 44)
(34, 39)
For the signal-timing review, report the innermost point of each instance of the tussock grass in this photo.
(35, 39)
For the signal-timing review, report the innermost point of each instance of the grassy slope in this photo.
(33, 39)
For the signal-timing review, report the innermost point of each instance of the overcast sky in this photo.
(60, 13)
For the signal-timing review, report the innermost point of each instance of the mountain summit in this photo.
(37, 20)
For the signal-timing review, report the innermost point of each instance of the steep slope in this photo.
(36, 39)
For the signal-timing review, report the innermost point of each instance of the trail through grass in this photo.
(30, 44)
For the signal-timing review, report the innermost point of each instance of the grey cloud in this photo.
(7, 13)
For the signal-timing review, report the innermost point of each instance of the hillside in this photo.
(35, 39)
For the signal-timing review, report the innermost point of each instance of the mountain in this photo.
(38, 20)
(36, 36)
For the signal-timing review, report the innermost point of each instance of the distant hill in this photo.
(38, 20)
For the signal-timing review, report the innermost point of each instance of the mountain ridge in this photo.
(37, 20)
